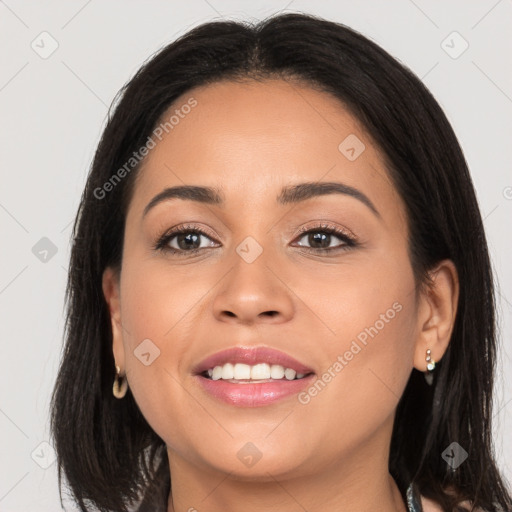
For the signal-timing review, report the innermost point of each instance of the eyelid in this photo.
(319, 224)
(191, 226)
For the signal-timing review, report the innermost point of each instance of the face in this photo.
(321, 275)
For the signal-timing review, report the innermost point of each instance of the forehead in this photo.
(251, 137)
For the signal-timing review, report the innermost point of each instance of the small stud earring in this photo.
(431, 364)
(119, 389)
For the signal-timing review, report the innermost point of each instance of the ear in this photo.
(436, 313)
(110, 285)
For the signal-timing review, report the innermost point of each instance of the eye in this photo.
(184, 239)
(321, 237)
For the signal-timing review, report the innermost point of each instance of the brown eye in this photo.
(186, 241)
(321, 239)
(183, 240)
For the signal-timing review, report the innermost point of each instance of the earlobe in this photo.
(436, 314)
(111, 292)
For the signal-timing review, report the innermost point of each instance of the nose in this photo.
(252, 293)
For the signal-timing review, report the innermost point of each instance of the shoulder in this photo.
(429, 505)
(432, 506)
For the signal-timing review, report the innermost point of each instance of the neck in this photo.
(358, 482)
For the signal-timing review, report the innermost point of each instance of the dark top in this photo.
(413, 499)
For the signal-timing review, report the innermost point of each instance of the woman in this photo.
(280, 294)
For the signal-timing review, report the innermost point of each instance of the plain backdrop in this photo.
(62, 63)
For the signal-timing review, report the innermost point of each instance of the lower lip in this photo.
(253, 395)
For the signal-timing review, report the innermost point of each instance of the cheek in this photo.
(161, 298)
(159, 310)
(367, 301)
(366, 321)
(362, 382)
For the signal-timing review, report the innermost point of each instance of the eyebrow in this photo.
(290, 194)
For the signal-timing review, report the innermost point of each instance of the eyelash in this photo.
(349, 240)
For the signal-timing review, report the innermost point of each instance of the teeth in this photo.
(217, 373)
(228, 371)
(260, 371)
(290, 374)
(277, 371)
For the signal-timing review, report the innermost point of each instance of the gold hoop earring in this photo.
(119, 389)
(431, 364)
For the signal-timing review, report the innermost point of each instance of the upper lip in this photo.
(251, 356)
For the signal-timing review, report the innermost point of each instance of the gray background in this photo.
(53, 109)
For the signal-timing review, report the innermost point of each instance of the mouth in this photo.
(252, 377)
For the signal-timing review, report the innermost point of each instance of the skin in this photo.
(332, 453)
